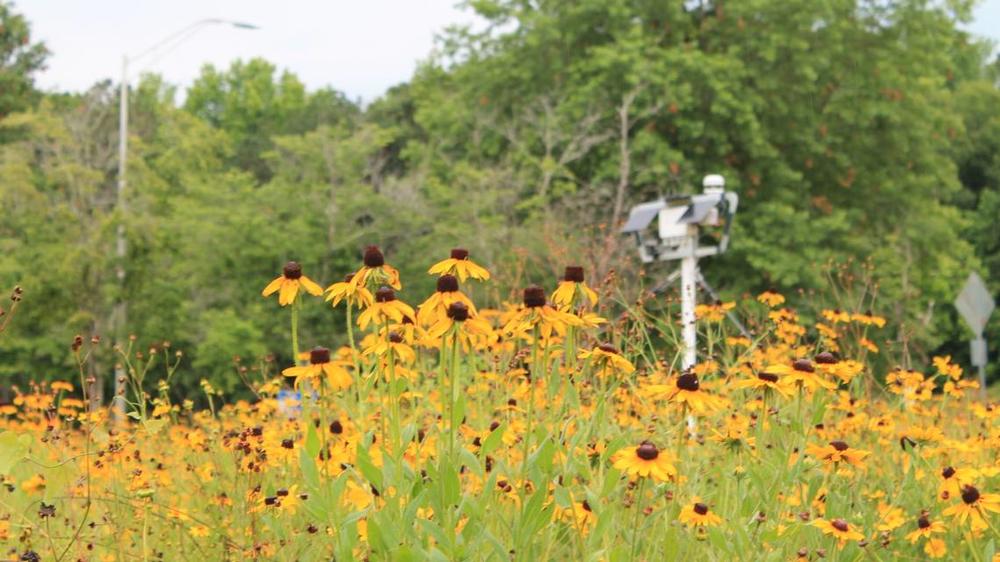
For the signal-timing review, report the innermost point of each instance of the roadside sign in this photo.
(975, 303)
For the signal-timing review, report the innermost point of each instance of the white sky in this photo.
(361, 47)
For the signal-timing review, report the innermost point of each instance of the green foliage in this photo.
(19, 59)
(850, 129)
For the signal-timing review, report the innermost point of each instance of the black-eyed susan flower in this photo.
(446, 293)
(319, 365)
(974, 507)
(890, 518)
(837, 452)
(459, 265)
(458, 321)
(686, 391)
(572, 290)
(537, 312)
(698, 514)
(868, 319)
(645, 461)
(393, 341)
(734, 433)
(355, 295)
(840, 529)
(771, 298)
(579, 515)
(836, 316)
(945, 367)
(287, 285)
(802, 374)
(386, 308)
(375, 272)
(714, 312)
(606, 359)
(954, 479)
(765, 382)
(925, 528)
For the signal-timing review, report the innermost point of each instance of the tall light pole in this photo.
(163, 46)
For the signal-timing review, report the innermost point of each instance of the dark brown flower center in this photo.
(825, 358)
(769, 377)
(459, 254)
(447, 284)
(374, 257)
(458, 312)
(647, 451)
(970, 494)
(839, 445)
(803, 365)
(573, 273)
(292, 270)
(336, 427)
(923, 522)
(348, 277)
(319, 355)
(700, 508)
(688, 381)
(395, 337)
(607, 348)
(534, 297)
(948, 472)
(385, 294)
(840, 525)
(585, 505)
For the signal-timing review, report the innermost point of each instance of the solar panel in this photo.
(641, 215)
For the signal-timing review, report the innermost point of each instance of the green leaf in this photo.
(153, 427)
(493, 440)
(368, 469)
(310, 472)
(312, 441)
(13, 449)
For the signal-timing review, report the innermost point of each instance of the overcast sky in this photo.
(361, 47)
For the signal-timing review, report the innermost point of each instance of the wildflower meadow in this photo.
(540, 429)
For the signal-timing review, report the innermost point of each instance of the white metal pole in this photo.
(121, 306)
(689, 299)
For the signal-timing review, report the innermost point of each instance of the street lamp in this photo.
(169, 42)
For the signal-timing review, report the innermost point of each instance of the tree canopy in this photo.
(855, 131)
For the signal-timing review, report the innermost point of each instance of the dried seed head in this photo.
(647, 451)
(688, 381)
(825, 358)
(447, 284)
(769, 377)
(319, 355)
(573, 273)
(534, 297)
(373, 257)
(970, 494)
(292, 270)
(804, 365)
(458, 312)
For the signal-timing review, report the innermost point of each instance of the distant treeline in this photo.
(862, 136)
